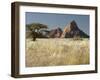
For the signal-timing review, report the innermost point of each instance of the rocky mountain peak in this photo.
(55, 33)
(72, 30)
(73, 25)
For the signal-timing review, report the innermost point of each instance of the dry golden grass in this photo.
(54, 52)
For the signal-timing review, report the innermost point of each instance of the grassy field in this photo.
(54, 52)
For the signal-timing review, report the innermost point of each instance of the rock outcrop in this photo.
(72, 30)
(55, 33)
